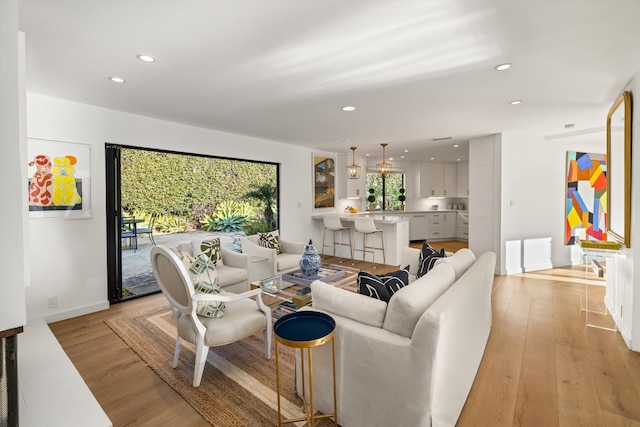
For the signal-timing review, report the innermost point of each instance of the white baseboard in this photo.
(69, 314)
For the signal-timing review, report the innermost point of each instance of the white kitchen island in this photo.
(395, 229)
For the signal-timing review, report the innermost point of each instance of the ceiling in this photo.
(283, 70)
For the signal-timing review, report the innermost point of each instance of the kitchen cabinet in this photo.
(418, 226)
(462, 232)
(462, 179)
(441, 225)
(438, 179)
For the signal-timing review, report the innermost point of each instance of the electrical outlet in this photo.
(52, 302)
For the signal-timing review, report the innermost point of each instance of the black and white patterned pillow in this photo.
(271, 241)
(382, 287)
(428, 258)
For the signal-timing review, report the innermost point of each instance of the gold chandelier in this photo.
(353, 170)
(384, 167)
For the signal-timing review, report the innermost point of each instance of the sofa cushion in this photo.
(271, 241)
(287, 261)
(460, 261)
(205, 281)
(382, 286)
(410, 302)
(348, 304)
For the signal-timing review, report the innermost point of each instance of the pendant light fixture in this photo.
(353, 170)
(384, 167)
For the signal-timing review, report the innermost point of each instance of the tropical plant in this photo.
(256, 226)
(265, 194)
(172, 224)
(230, 216)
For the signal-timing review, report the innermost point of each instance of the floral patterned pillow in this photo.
(205, 281)
(271, 241)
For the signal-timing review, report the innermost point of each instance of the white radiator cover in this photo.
(537, 254)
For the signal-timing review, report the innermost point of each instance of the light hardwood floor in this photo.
(542, 365)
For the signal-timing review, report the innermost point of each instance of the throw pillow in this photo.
(382, 287)
(211, 248)
(271, 241)
(428, 258)
(205, 281)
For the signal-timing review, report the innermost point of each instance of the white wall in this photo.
(13, 271)
(71, 254)
(533, 187)
(484, 197)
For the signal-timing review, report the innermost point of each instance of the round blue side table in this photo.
(305, 330)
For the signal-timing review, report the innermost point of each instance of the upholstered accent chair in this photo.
(245, 314)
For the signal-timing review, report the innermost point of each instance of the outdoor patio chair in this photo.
(243, 316)
(148, 230)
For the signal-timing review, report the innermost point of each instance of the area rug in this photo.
(238, 385)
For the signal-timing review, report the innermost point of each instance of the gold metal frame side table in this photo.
(306, 330)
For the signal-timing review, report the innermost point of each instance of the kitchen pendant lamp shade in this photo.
(353, 170)
(384, 167)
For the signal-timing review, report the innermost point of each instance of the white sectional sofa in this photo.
(410, 362)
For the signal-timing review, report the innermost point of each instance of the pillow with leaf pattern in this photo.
(211, 248)
(205, 281)
(271, 241)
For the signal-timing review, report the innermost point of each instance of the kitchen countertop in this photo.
(385, 218)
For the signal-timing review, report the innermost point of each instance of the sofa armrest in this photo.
(234, 259)
(289, 247)
(251, 249)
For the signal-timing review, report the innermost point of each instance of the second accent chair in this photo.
(270, 255)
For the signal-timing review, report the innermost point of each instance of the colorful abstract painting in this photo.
(59, 179)
(586, 198)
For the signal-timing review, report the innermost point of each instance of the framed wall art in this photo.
(619, 169)
(585, 197)
(324, 181)
(59, 175)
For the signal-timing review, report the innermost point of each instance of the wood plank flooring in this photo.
(542, 365)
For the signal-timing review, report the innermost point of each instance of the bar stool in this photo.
(366, 227)
(333, 224)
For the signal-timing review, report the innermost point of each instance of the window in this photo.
(386, 189)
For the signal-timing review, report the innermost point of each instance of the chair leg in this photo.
(267, 341)
(201, 360)
(153, 242)
(176, 354)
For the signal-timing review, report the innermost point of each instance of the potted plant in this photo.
(371, 199)
(401, 199)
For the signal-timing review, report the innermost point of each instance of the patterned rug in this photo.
(238, 385)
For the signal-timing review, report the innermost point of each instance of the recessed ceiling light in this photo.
(367, 154)
(390, 158)
(402, 157)
(348, 108)
(432, 158)
(516, 102)
(502, 67)
(116, 79)
(457, 160)
(146, 58)
(455, 146)
(406, 151)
